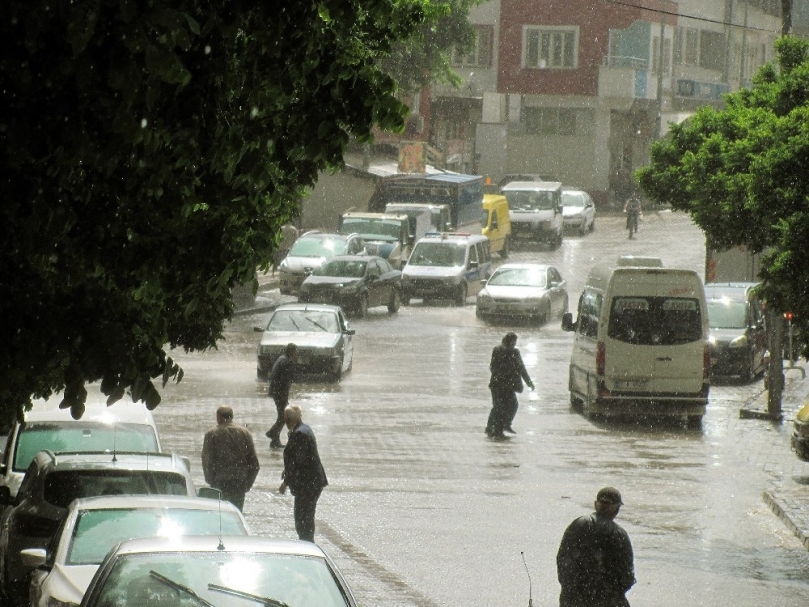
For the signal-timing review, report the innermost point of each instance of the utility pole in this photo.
(660, 58)
(786, 17)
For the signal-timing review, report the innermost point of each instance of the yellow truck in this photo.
(496, 223)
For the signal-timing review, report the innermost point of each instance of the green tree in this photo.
(151, 149)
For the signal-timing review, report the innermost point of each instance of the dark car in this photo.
(355, 283)
(53, 481)
(738, 334)
(322, 333)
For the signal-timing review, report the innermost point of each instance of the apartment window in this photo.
(550, 47)
(691, 54)
(558, 121)
(480, 55)
(712, 50)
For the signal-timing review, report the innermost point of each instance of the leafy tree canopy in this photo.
(741, 173)
(151, 150)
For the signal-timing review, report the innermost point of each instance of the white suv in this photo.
(447, 265)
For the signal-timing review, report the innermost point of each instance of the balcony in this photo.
(626, 78)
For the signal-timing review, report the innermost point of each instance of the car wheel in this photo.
(460, 295)
(335, 375)
(395, 302)
(362, 305)
(694, 422)
(564, 308)
(544, 316)
(405, 298)
(575, 403)
(504, 250)
(593, 225)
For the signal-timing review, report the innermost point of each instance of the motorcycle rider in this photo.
(633, 210)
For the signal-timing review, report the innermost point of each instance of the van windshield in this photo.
(443, 254)
(529, 201)
(726, 314)
(655, 321)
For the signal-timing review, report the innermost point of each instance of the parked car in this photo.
(800, 433)
(94, 525)
(309, 252)
(322, 333)
(523, 291)
(738, 334)
(122, 426)
(227, 571)
(578, 211)
(53, 480)
(496, 224)
(355, 283)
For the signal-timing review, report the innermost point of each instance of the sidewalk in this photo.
(789, 498)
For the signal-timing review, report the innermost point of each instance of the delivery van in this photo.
(496, 223)
(641, 342)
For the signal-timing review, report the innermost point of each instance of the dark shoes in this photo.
(276, 444)
(511, 430)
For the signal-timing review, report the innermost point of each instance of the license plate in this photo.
(525, 235)
(630, 384)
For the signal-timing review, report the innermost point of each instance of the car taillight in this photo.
(601, 358)
(706, 363)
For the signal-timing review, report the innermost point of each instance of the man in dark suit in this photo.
(303, 472)
(508, 373)
(281, 376)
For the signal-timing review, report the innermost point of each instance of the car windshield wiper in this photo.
(246, 595)
(317, 324)
(177, 586)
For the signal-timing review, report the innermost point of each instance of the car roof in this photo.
(105, 460)
(108, 502)
(539, 186)
(523, 266)
(196, 543)
(452, 237)
(96, 410)
(714, 290)
(309, 306)
(353, 258)
(324, 235)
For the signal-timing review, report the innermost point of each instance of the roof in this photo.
(96, 411)
(715, 290)
(109, 502)
(352, 258)
(124, 460)
(310, 306)
(536, 186)
(451, 237)
(523, 266)
(229, 543)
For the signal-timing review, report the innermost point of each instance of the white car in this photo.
(578, 211)
(94, 525)
(523, 290)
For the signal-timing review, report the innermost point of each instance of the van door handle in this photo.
(664, 358)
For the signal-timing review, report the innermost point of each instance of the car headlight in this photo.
(264, 350)
(52, 602)
(739, 342)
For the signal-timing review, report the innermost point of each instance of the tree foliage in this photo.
(741, 173)
(151, 149)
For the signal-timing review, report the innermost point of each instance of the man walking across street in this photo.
(229, 460)
(508, 373)
(281, 378)
(595, 565)
(303, 472)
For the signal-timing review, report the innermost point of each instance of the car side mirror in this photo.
(209, 493)
(33, 558)
(567, 322)
(473, 263)
(495, 226)
(258, 329)
(5, 496)
(350, 331)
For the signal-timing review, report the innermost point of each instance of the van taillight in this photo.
(601, 358)
(706, 363)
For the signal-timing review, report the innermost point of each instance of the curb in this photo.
(789, 509)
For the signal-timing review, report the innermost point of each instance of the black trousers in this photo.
(275, 431)
(305, 505)
(504, 408)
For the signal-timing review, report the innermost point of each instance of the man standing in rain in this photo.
(229, 460)
(303, 472)
(280, 379)
(508, 373)
(595, 565)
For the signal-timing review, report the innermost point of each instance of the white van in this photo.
(535, 208)
(641, 342)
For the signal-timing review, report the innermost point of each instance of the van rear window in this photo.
(655, 321)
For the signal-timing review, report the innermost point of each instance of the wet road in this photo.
(424, 510)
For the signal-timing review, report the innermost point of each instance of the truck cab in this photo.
(384, 234)
(496, 223)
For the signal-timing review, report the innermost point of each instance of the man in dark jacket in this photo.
(595, 565)
(229, 460)
(508, 373)
(303, 472)
(281, 377)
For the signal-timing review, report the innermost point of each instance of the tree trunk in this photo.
(786, 17)
(775, 374)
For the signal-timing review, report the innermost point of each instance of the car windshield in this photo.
(83, 437)
(342, 268)
(296, 581)
(63, 486)
(385, 229)
(573, 199)
(444, 254)
(304, 320)
(726, 314)
(318, 247)
(518, 277)
(529, 201)
(661, 321)
(96, 531)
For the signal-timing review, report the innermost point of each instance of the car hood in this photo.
(300, 264)
(321, 281)
(503, 292)
(724, 336)
(68, 583)
(572, 211)
(303, 339)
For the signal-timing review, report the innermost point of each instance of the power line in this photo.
(705, 19)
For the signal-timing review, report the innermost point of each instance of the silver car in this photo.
(94, 525)
(322, 333)
(223, 571)
(309, 252)
(578, 211)
(523, 291)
